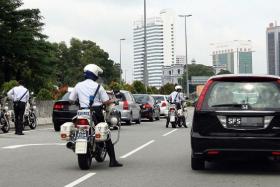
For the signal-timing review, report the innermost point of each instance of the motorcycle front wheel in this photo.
(101, 152)
(33, 121)
(84, 161)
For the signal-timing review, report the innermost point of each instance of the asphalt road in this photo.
(152, 156)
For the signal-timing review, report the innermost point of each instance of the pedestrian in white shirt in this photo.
(20, 96)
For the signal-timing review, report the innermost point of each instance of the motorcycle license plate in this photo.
(172, 118)
(84, 112)
(81, 146)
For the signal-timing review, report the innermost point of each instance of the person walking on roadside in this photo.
(20, 95)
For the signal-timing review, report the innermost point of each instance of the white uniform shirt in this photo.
(17, 92)
(83, 90)
(176, 97)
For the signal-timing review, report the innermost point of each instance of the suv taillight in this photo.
(58, 106)
(202, 95)
(125, 105)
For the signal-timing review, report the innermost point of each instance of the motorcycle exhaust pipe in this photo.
(70, 145)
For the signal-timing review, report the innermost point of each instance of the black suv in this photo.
(236, 116)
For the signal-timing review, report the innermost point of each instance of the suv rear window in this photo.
(256, 95)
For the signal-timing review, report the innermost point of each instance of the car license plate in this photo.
(85, 112)
(172, 118)
(245, 122)
(234, 121)
(81, 146)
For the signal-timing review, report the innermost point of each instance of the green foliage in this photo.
(139, 87)
(196, 70)
(115, 86)
(25, 54)
(44, 94)
(152, 90)
(71, 61)
(8, 85)
(224, 72)
(167, 89)
(128, 87)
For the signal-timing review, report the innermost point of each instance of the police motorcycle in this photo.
(86, 139)
(4, 115)
(176, 117)
(29, 117)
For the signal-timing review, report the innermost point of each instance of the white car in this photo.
(163, 103)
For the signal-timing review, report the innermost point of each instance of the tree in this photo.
(222, 71)
(71, 61)
(167, 89)
(129, 87)
(138, 87)
(24, 53)
(152, 90)
(197, 70)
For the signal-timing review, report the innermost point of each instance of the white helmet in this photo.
(178, 87)
(92, 71)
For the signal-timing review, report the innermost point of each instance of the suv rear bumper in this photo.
(201, 145)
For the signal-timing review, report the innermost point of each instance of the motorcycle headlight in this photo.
(114, 120)
(34, 107)
(6, 108)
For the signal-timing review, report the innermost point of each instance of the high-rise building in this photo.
(160, 46)
(273, 49)
(234, 56)
(180, 59)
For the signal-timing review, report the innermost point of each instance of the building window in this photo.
(169, 72)
(178, 71)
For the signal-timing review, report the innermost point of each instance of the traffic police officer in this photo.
(20, 95)
(177, 97)
(84, 91)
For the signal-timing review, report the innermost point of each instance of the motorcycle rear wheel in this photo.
(84, 161)
(173, 124)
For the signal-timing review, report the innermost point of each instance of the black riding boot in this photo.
(167, 122)
(111, 153)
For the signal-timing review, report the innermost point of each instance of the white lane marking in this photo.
(78, 181)
(169, 132)
(137, 149)
(28, 145)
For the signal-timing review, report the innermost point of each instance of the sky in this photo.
(107, 21)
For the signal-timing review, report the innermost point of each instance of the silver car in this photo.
(130, 110)
(163, 103)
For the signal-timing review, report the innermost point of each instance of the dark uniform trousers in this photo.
(97, 118)
(19, 108)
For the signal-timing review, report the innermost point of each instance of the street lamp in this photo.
(186, 43)
(122, 39)
(145, 78)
